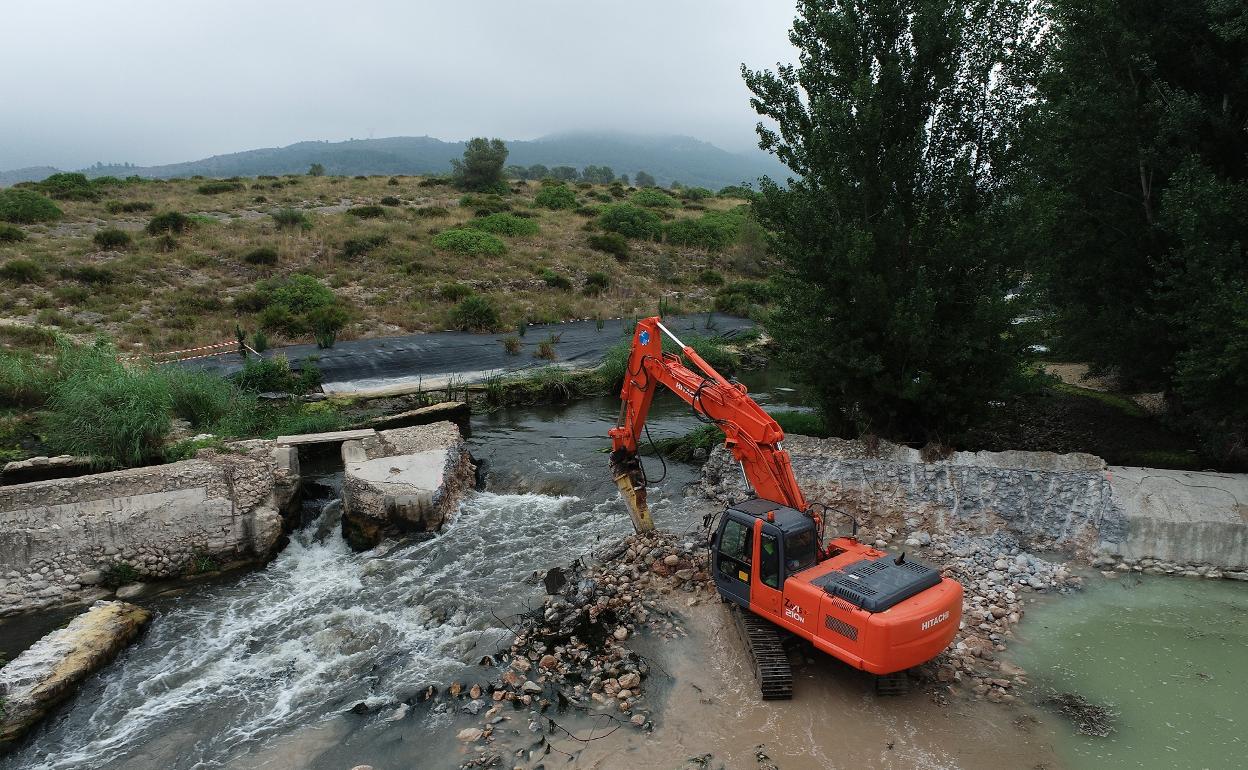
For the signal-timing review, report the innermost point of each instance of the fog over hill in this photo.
(668, 158)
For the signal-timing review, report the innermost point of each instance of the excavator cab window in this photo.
(799, 550)
(769, 560)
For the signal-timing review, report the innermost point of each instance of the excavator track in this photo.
(771, 662)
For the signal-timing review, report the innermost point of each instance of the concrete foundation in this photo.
(62, 540)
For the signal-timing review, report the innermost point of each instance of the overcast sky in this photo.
(160, 81)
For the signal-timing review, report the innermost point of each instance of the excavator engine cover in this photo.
(877, 584)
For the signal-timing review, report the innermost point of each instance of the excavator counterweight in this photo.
(874, 611)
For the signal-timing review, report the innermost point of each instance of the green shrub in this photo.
(454, 292)
(112, 239)
(469, 241)
(198, 397)
(630, 221)
(118, 574)
(390, 200)
(505, 224)
(289, 219)
(261, 255)
(367, 212)
(737, 191)
(474, 314)
(484, 205)
(325, 322)
(710, 277)
(652, 197)
(743, 297)
(127, 207)
(611, 243)
(596, 283)
(433, 181)
(101, 409)
(587, 211)
(714, 230)
(556, 196)
(274, 375)
(357, 247)
(431, 211)
(20, 271)
(554, 280)
(96, 276)
(11, 234)
(696, 194)
(218, 187)
(546, 350)
(169, 222)
(70, 187)
(27, 207)
(512, 345)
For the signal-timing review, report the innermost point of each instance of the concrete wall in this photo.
(1071, 502)
(59, 538)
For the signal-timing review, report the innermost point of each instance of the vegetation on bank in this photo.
(982, 177)
(87, 401)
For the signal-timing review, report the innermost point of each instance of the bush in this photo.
(484, 205)
(112, 239)
(274, 375)
(469, 241)
(611, 243)
(96, 276)
(218, 187)
(630, 221)
(546, 350)
(557, 197)
(696, 194)
(127, 207)
(433, 181)
(20, 271)
(197, 397)
(654, 198)
(596, 283)
(287, 219)
(367, 212)
(170, 222)
(263, 255)
(431, 211)
(390, 200)
(712, 231)
(101, 409)
(737, 191)
(356, 247)
(27, 207)
(710, 278)
(11, 234)
(325, 322)
(70, 187)
(505, 224)
(554, 280)
(474, 314)
(454, 292)
(743, 297)
(512, 345)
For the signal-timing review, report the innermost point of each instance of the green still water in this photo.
(1170, 655)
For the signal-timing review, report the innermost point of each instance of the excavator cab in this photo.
(787, 544)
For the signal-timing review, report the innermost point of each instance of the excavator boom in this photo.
(753, 437)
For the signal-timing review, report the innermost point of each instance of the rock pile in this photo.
(572, 653)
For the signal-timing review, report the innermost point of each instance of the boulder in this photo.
(402, 480)
(47, 673)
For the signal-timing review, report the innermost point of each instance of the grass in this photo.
(1116, 400)
(389, 267)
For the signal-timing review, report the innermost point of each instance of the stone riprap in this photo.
(61, 540)
(403, 480)
(50, 670)
(1177, 521)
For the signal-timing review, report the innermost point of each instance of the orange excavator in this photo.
(875, 611)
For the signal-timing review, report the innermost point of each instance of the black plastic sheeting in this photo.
(414, 358)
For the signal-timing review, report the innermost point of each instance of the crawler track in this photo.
(771, 662)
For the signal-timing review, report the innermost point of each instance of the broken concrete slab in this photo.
(60, 538)
(402, 480)
(457, 412)
(48, 672)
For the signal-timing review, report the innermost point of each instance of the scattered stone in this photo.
(470, 734)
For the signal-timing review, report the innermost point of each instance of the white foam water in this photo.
(319, 629)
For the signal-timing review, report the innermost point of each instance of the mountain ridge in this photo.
(669, 158)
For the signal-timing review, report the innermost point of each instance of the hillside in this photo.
(373, 241)
(668, 158)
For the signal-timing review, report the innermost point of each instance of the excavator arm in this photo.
(753, 437)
